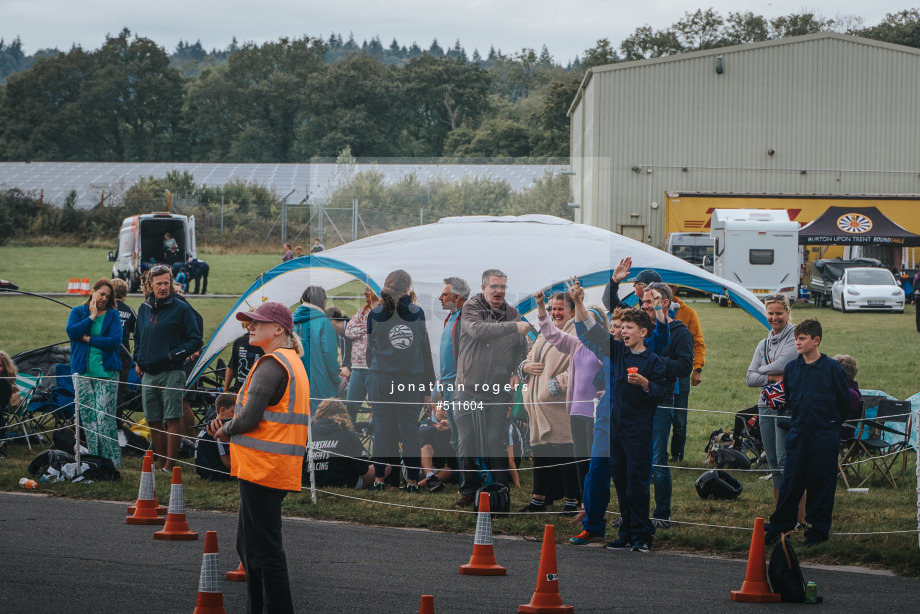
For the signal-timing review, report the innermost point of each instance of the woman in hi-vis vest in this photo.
(268, 440)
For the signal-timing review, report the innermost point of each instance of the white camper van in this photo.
(758, 249)
(142, 244)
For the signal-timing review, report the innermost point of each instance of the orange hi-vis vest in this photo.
(272, 454)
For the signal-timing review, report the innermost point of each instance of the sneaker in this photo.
(617, 523)
(619, 544)
(464, 501)
(661, 523)
(378, 487)
(412, 489)
(433, 484)
(585, 537)
(570, 510)
(640, 546)
(530, 507)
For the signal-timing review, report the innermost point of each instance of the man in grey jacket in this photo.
(492, 343)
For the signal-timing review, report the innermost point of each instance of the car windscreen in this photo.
(870, 278)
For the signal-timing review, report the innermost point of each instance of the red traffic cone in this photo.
(176, 528)
(427, 605)
(85, 288)
(210, 592)
(161, 509)
(546, 599)
(755, 588)
(72, 286)
(237, 575)
(145, 510)
(483, 562)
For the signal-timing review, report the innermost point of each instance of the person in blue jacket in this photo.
(818, 399)
(94, 329)
(400, 374)
(596, 490)
(637, 376)
(320, 345)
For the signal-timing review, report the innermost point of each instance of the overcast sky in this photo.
(566, 27)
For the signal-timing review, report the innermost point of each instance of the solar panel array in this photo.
(317, 181)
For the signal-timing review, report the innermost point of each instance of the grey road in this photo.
(59, 555)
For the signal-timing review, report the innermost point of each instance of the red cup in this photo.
(632, 370)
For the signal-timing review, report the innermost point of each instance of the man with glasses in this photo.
(167, 334)
(491, 345)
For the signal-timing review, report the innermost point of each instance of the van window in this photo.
(760, 256)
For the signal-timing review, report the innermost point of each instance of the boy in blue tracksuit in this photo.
(818, 398)
(637, 374)
(596, 489)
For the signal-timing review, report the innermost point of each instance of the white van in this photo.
(694, 247)
(758, 249)
(142, 244)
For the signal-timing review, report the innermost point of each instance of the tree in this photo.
(902, 28)
(435, 49)
(647, 43)
(799, 24)
(744, 28)
(12, 58)
(700, 30)
(600, 54)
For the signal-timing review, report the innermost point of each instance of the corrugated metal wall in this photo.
(843, 110)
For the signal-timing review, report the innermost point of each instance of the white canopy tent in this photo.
(535, 251)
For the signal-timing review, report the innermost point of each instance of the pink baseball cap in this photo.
(276, 313)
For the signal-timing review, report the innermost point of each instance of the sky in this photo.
(566, 27)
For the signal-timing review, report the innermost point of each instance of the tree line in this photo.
(294, 100)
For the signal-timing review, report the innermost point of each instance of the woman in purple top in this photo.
(582, 390)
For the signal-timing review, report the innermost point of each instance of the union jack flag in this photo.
(774, 395)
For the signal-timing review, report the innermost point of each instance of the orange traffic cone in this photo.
(483, 562)
(427, 605)
(161, 509)
(85, 287)
(546, 599)
(145, 510)
(176, 528)
(755, 588)
(210, 593)
(237, 575)
(72, 286)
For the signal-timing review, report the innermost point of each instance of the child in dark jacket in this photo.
(637, 374)
(212, 457)
(818, 400)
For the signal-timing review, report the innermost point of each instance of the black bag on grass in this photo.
(499, 498)
(784, 571)
(100, 469)
(49, 459)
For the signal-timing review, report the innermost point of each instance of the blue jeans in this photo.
(357, 392)
(596, 488)
(661, 474)
(679, 420)
(774, 443)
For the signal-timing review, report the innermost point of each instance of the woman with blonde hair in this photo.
(766, 372)
(356, 330)
(94, 329)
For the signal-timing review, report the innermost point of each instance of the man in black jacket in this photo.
(678, 362)
(167, 334)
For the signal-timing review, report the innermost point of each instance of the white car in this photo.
(867, 289)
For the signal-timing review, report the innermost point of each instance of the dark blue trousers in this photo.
(811, 467)
(630, 464)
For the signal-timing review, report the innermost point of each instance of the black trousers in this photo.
(482, 433)
(258, 542)
(552, 468)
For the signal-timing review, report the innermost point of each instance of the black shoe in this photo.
(412, 489)
(640, 545)
(464, 501)
(619, 544)
(530, 507)
(433, 484)
(570, 510)
(378, 487)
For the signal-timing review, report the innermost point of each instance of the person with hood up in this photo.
(320, 345)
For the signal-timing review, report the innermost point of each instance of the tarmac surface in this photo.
(61, 555)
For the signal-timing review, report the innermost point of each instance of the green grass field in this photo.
(883, 344)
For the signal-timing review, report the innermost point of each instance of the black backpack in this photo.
(785, 573)
(499, 498)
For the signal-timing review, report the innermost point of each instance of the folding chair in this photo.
(19, 417)
(887, 440)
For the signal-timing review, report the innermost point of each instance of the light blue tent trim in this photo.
(600, 278)
(312, 261)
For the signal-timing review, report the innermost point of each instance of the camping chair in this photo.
(851, 459)
(18, 419)
(883, 440)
